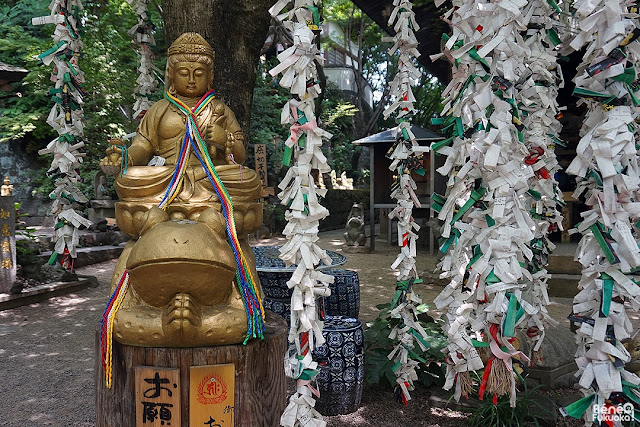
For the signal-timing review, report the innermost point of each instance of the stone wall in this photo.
(339, 203)
(21, 167)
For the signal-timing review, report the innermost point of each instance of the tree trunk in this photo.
(236, 30)
(260, 382)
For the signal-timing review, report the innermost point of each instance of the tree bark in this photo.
(260, 384)
(236, 30)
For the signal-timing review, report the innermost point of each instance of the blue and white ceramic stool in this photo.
(344, 299)
(341, 364)
(345, 294)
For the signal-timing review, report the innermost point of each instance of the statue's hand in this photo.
(112, 162)
(228, 148)
(216, 138)
(216, 135)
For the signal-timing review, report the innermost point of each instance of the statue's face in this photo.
(191, 79)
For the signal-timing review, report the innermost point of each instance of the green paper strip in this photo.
(534, 194)
(606, 248)
(68, 137)
(396, 298)
(302, 118)
(477, 255)
(579, 407)
(71, 67)
(438, 145)
(52, 258)
(628, 76)
(475, 196)
(473, 53)
(417, 336)
(51, 50)
(553, 36)
(396, 366)
(490, 221)
(459, 127)
(445, 246)
(556, 140)
(414, 355)
(437, 198)
(404, 284)
(607, 292)
(631, 395)
(509, 323)
(554, 5)
(286, 156)
(491, 279)
(308, 374)
(453, 238)
(634, 99)
(589, 93)
(596, 176)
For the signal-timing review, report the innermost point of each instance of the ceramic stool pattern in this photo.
(341, 364)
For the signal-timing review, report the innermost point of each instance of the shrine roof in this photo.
(11, 72)
(420, 133)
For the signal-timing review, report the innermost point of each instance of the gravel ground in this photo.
(47, 352)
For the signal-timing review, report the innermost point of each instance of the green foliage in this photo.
(24, 110)
(265, 128)
(109, 66)
(28, 245)
(528, 410)
(338, 116)
(378, 345)
(378, 68)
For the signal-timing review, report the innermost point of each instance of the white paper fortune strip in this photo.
(408, 332)
(606, 167)
(67, 118)
(300, 195)
(143, 40)
(501, 196)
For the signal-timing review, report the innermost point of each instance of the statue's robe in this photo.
(161, 133)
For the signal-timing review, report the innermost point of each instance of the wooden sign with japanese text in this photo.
(157, 397)
(7, 243)
(260, 156)
(211, 395)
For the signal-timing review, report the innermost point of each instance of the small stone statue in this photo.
(7, 188)
(334, 180)
(100, 187)
(355, 236)
(347, 183)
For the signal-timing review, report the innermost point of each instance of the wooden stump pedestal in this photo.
(260, 384)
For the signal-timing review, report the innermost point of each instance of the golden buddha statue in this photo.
(180, 264)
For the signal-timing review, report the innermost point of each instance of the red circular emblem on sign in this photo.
(212, 390)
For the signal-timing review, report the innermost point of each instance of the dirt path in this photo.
(47, 352)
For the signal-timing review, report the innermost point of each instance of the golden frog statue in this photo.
(181, 266)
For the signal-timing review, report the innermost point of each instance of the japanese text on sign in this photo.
(157, 396)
